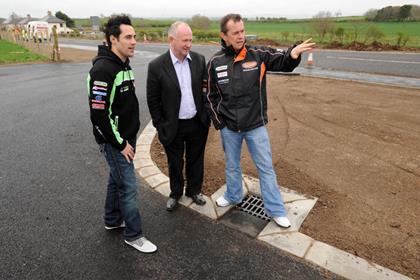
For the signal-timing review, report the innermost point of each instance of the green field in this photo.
(137, 22)
(11, 53)
(303, 29)
(298, 30)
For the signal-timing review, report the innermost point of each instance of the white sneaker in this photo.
(282, 222)
(115, 227)
(143, 245)
(222, 202)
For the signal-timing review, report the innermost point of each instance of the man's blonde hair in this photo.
(174, 28)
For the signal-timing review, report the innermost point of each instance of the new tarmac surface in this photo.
(53, 184)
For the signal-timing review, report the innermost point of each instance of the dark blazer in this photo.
(164, 94)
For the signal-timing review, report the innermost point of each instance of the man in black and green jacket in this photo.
(114, 112)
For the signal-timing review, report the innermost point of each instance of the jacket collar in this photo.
(175, 59)
(229, 50)
(104, 52)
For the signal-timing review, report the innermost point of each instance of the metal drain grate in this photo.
(253, 205)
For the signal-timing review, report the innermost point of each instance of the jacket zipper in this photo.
(233, 87)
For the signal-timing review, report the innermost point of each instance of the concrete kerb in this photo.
(289, 240)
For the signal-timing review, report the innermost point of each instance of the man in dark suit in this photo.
(174, 95)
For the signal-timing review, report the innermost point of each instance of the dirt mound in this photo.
(355, 146)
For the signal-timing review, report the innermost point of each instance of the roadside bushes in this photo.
(205, 35)
(402, 39)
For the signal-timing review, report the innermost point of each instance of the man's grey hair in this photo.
(174, 28)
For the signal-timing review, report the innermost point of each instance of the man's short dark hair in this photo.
(112, 27)
(226, 18)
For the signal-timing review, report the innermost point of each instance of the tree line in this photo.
(395, 13)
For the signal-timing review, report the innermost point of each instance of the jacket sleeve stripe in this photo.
(113, 126)
(278, 52)
(262, 73)
(88, 84)
(209, 90)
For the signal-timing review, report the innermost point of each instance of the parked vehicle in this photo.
(38, 30)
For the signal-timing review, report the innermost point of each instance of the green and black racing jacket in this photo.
(114, 108)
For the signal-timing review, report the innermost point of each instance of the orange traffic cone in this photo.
(310, 59)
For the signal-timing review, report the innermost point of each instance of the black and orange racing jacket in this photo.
(236, 87)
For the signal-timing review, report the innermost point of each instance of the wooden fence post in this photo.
(56, 49)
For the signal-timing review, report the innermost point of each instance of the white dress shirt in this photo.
(187, 109)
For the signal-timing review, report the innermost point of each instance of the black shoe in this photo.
(171, 204)
(198, 199)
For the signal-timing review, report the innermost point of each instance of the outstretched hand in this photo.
(301, 48)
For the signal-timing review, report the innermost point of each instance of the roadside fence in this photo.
(38, 43)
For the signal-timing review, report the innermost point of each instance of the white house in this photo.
(12, 22)
(59, 23)
(23, 22)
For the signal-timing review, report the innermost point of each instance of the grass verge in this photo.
(13, 53)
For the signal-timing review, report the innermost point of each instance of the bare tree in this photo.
(338, 13)
(415, 12)
(14, 17)
(388, 13)
(322, 23)
(371, 14)
(405, 12)
(200, 22)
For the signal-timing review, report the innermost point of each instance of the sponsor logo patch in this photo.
(204, 85)
(224, 81)
(221, 68)
(99, 88)
(249, 64)
(222, 74)
(100, 83)
(98, 101)
(99, 93)
(98, 106)
(249, 69)
(124, 89)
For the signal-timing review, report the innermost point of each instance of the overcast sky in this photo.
(187, 8)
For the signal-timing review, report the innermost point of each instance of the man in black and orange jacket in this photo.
(237, 104)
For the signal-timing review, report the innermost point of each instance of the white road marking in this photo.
(145, 54)
(373, 60)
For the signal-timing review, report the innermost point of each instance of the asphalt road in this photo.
(52, 189)
(386, 63)
(400, 64)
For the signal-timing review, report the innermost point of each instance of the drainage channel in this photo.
(248, 217)
(253, 205)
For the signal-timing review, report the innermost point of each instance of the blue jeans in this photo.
(121, 202)
(259, 147)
